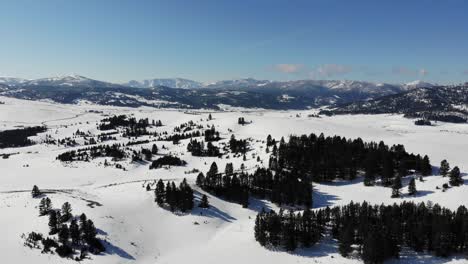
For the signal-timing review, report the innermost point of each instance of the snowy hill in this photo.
(443, 103)
(136, 230)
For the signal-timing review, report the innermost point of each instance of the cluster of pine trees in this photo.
(73, 233)
(238, 146)
(167, 160)
(324, 159)
(454, 175)
(19, 137)
(114, 151)
(211, 134)
(131, 124)
(232, 186)
(176, 137)
(197, 148)
(145, 154)
(376, 233)
(176, 198)
(289, 230)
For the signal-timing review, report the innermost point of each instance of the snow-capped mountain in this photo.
(12, 81)
(237, 83)
(168, 82)
(69, 81)
(417, 84)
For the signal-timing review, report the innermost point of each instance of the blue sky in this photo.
(208, 40)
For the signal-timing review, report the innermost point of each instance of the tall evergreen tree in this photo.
(412, 187)
(74, 232)
(53, 222)
(66, 212)
(160, 193)
(204, 202)
(444, 168)
(63, 234)
(35, 192)
(396, 186)
(455, 177)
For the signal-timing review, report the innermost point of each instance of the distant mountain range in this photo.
(442, 103)
(415, 99)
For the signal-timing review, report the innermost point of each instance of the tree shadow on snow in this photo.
(321, 199)
(112, 249)
(258, 205)
(338, 183)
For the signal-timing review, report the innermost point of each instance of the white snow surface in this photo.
(138, 231)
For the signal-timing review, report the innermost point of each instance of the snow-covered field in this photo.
(138, 231)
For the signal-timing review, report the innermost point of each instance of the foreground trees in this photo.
(376, 233)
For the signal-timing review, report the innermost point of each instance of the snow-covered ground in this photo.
(138, 231)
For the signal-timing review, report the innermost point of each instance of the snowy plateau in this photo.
(136, 230)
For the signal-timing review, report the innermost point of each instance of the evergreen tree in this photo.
(444, 168)
(229, 170)
(63, 234)
(426, 168)
(412, 187)
(455, 177)
(53, 222)
(396, 186)
(200, 182)
(346, 239)
(154, 149)
(160, 193)
(74, 232)
(66, 212)
(35, 192)
(204, 202)
(45, 206)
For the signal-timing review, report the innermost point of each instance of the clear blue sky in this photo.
(391, 41)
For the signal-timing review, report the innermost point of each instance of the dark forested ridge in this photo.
(440, 103)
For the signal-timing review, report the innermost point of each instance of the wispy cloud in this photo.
(289, 68)
(330, 70)
(401, 70)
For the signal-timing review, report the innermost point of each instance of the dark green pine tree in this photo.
(53, 222)
(35, 192)
(444, 168)
(74, 232)
(45, 205)
(63, 234)
(412, 187)
(346, 239)
(455, 177)
(200, 182)
(372, 249)
(259, 229)
(289, 233)
(426, 168)
(396, 186)
(204, 202)
(154, 149)
(66, 212)
(160, 193)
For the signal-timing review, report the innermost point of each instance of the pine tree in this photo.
(63, 234)
(426, 168)
(444, 168)
(74, 232)
(148, 187)
(346, 239)
(396, 186)
(45, 206)
(259, 229)
(200, 182)
(229, 170)
(160, 193)
(154, 149)
(412, 187)
(204, 202)
(455, 177)
(66, 212)
(35, 192)
(53, 222)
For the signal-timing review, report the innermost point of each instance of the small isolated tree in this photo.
(35, 191)
(204, 202)
(396, 186)
(210, 117)
(412, 187)
(148, 187)
(455, 177)
(444, 168)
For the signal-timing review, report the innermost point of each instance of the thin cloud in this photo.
(289, 68)
(330, 70)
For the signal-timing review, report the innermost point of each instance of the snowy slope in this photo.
(138, 231)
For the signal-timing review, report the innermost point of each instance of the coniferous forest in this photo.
(374, 232)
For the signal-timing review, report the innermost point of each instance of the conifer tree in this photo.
(200, 182)
(396, 186)
(160, 193)
(45, 206)
(455, 177)
(346, 239)
(444, 168)
(412, 187)
(66, 212)
(74, 232)
(204, 202)
(426, 168)
(63, 234)
(53, 222)
(35, 192)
